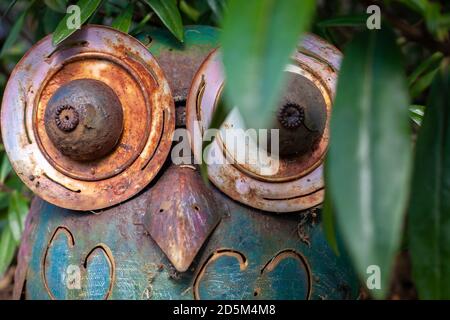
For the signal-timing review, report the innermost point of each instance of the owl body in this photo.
(179, 238)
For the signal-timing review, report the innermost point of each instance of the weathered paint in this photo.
(265, 256)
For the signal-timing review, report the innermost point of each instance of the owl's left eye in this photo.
(87, 125)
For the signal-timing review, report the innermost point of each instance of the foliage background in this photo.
(383, 93)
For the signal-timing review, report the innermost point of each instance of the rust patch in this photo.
(181, 215)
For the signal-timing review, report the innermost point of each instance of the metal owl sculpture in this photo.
(89, 127)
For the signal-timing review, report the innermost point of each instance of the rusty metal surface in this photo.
(298, 184)
(180, 61)
(182, 213)
(123, 64)
(84, 119)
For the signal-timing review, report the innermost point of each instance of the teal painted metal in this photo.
(250, 255)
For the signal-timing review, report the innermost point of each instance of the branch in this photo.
(414, 33)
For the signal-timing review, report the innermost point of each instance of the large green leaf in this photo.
(169, 14)
(7, 249)
(17, 212)
(5, 168)
(87, 9)
(123, 21)
(218, 7)
(13, 33)
(258, 38)
(429, 219)
(368, 164)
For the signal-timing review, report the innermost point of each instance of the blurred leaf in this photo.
(123, 21)
(191, 12)
(429, 216)
(17, 212)
(10, 6)
(14, 182)
(87, 9)
(168, 12)
(328, 221)
(422, 83)
(369, 161)
(220, 114)
(50, 20)
(431, 62)
(344, 21)
(141, 25)
(57, 5)
(218, 7)
(7, 249)
(255, 53)
(4, 200)
(433, 18)
(416, 113)
(420, 6)
(13, 33)
(5, 168)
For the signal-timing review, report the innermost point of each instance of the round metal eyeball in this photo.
(87, 124)
(84, 119)
(289, 178)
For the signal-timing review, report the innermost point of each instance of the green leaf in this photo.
(258, 39)
(13, 34)
(5, 168)
(4, 200)
(423, 83)
(416, 113)
(169, 14)
(344, 21)
(57, 5)
(369, 158)
(220, 114)
(328, 222)
(17, 212)
(190, 11)
(7, 249)
(430, 63)
(429, 214)
(87, 9)
(10, 6)
(218, 7)
(123, 21)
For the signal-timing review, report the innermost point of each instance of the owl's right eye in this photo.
(282, 172)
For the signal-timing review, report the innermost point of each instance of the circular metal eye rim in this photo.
(20, 143)
(282, 196)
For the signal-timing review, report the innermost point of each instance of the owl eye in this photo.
(279, 170)
(88, 125)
